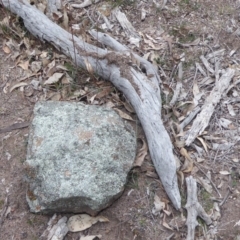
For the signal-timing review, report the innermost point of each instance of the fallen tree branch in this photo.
(194, 208)
(141, 89)
(203, 118)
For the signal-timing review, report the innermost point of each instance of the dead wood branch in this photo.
(55, 230)
(194, 208)
(125, 24)
(203, 118)
(190, 117)
(142, 90)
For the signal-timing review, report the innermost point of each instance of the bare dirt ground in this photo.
(165, 31)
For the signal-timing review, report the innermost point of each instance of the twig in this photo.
(4, 209)
(214, 186)
(169, 237)
(190, 117)
(74, 48)
(178, 86)
(206, 64)
(225, 198)
(14, 127)
(228, 193)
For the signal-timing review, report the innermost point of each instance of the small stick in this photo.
(4, 209)
(194, 208)
(214, 186)
(190, 117)
(178, 86)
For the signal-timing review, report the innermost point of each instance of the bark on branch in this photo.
(140, 87)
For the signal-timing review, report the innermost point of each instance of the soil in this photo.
(216, 24)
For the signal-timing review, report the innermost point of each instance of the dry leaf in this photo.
(24, 65)
(220, 184)
(65, 19)
(128, 107)
(235, 160)
(55, 96)
(185, 154)
(61, 67)
(158, 205)
(188, 163)
(237, 223)
(224, 172)
(152, 174)
(66, 79)
(91, 100)
(5, 89)
(216, 212)
(22, 84)
(81, 222)
(178, 163)
(168, 213)
(105, 91)
(28, 91)
(134, 40)
(199, 160)
(143, 14)
(36, 66)
(167, 226)
(225, 123)
(88, 66)
(54, 78)
(181, 176)
(51, 68)
(205, 183)
(41, 7)
(195, 89)
(6, 49)
(231, 110)
(179, 143)
(123, 114)
(178, 221)
(187, 166)
(141, 154)
(203, 143)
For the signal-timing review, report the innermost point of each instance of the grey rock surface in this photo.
(78, 157)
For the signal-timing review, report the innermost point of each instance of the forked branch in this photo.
(140, 87)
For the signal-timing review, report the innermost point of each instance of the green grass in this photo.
(133, 180)
(124, 3)
(1, 203)
(205, 198)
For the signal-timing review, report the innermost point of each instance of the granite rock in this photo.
(78, 157)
